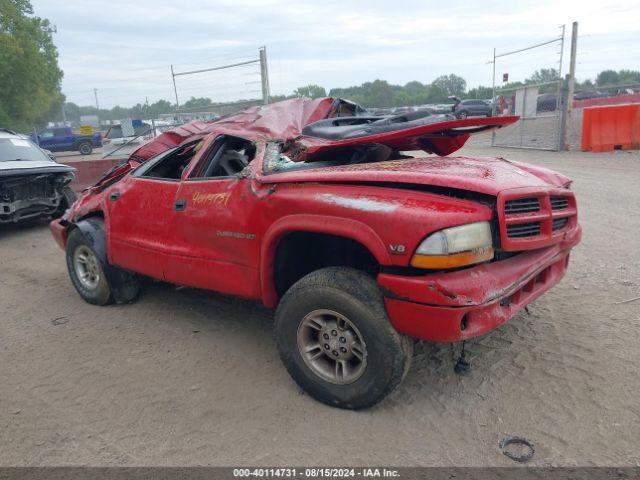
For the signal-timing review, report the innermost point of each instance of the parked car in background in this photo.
(62, 139)
(114, 139)
(547, 102)
(472, 108)
(311, 208)
(31, 183)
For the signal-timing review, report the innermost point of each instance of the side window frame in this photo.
(141, 171)
(209, 156)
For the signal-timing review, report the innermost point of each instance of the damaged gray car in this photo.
(32, 184)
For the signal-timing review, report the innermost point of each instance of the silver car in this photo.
(32, 184)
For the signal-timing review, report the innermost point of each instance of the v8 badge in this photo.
(397, 249)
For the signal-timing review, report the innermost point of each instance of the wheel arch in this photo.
(123, 284)
(345, 228)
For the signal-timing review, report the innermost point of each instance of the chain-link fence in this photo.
(540, 115)
(537, 100)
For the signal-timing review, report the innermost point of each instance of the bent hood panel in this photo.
(483, 175)
(439, 137)
(282, 120)
(22, 167)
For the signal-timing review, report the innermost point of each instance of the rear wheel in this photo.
(463, 114)
(86, 271)
(85, 148)
(336, 340)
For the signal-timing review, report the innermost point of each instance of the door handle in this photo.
(180, 205)
(114, 195)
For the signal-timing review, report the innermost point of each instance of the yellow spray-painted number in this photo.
(211, 199)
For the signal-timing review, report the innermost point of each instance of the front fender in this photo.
(339, 226)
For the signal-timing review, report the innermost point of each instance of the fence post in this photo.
(564, 115)
(264, 75)
(566, 111)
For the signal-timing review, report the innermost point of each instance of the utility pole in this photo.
(264, 75)
(493, 97)
(64, 115)
(95, 94)
(175, 90)
(493, 88)
(571, 79)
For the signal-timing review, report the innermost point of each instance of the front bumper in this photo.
(59, 232)
(455, 306)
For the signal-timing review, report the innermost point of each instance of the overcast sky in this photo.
(124, 48)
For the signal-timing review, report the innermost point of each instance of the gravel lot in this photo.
(186, 377)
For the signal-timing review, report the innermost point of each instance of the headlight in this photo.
(455, 247)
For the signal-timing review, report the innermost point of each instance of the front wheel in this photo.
(86, 271)
(336, 340)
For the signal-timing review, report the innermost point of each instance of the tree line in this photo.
(378, 93)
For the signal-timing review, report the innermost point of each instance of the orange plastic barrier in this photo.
(611, 127)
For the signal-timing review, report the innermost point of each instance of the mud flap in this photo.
(124, 285)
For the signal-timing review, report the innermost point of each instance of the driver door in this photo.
(213, 235)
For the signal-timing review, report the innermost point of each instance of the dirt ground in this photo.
(185, 377)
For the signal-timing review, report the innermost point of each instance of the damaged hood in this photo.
(18, 167)
(482, 175)
(313, 127)
(281, 120)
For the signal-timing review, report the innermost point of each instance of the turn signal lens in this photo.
(455, 247)
(441, 262)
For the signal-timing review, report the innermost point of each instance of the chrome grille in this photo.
(520, 230)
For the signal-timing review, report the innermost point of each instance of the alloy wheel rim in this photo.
(87, 267)
(332, 347)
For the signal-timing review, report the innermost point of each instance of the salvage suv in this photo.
(32, 184)
(339, 220)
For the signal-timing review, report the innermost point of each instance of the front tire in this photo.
(336, 340)
(85, 270)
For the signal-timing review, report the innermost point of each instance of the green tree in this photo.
(607, 77)
(161, 106)
(310, 91)
(628, 77)
(380, 94)
(544, 75)
(481, 92)
(194, 103)
(445, 86)
(29, 73)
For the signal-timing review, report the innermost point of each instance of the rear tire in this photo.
(462, 115)
(85, 270)
(337, 315)
(85, 148)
